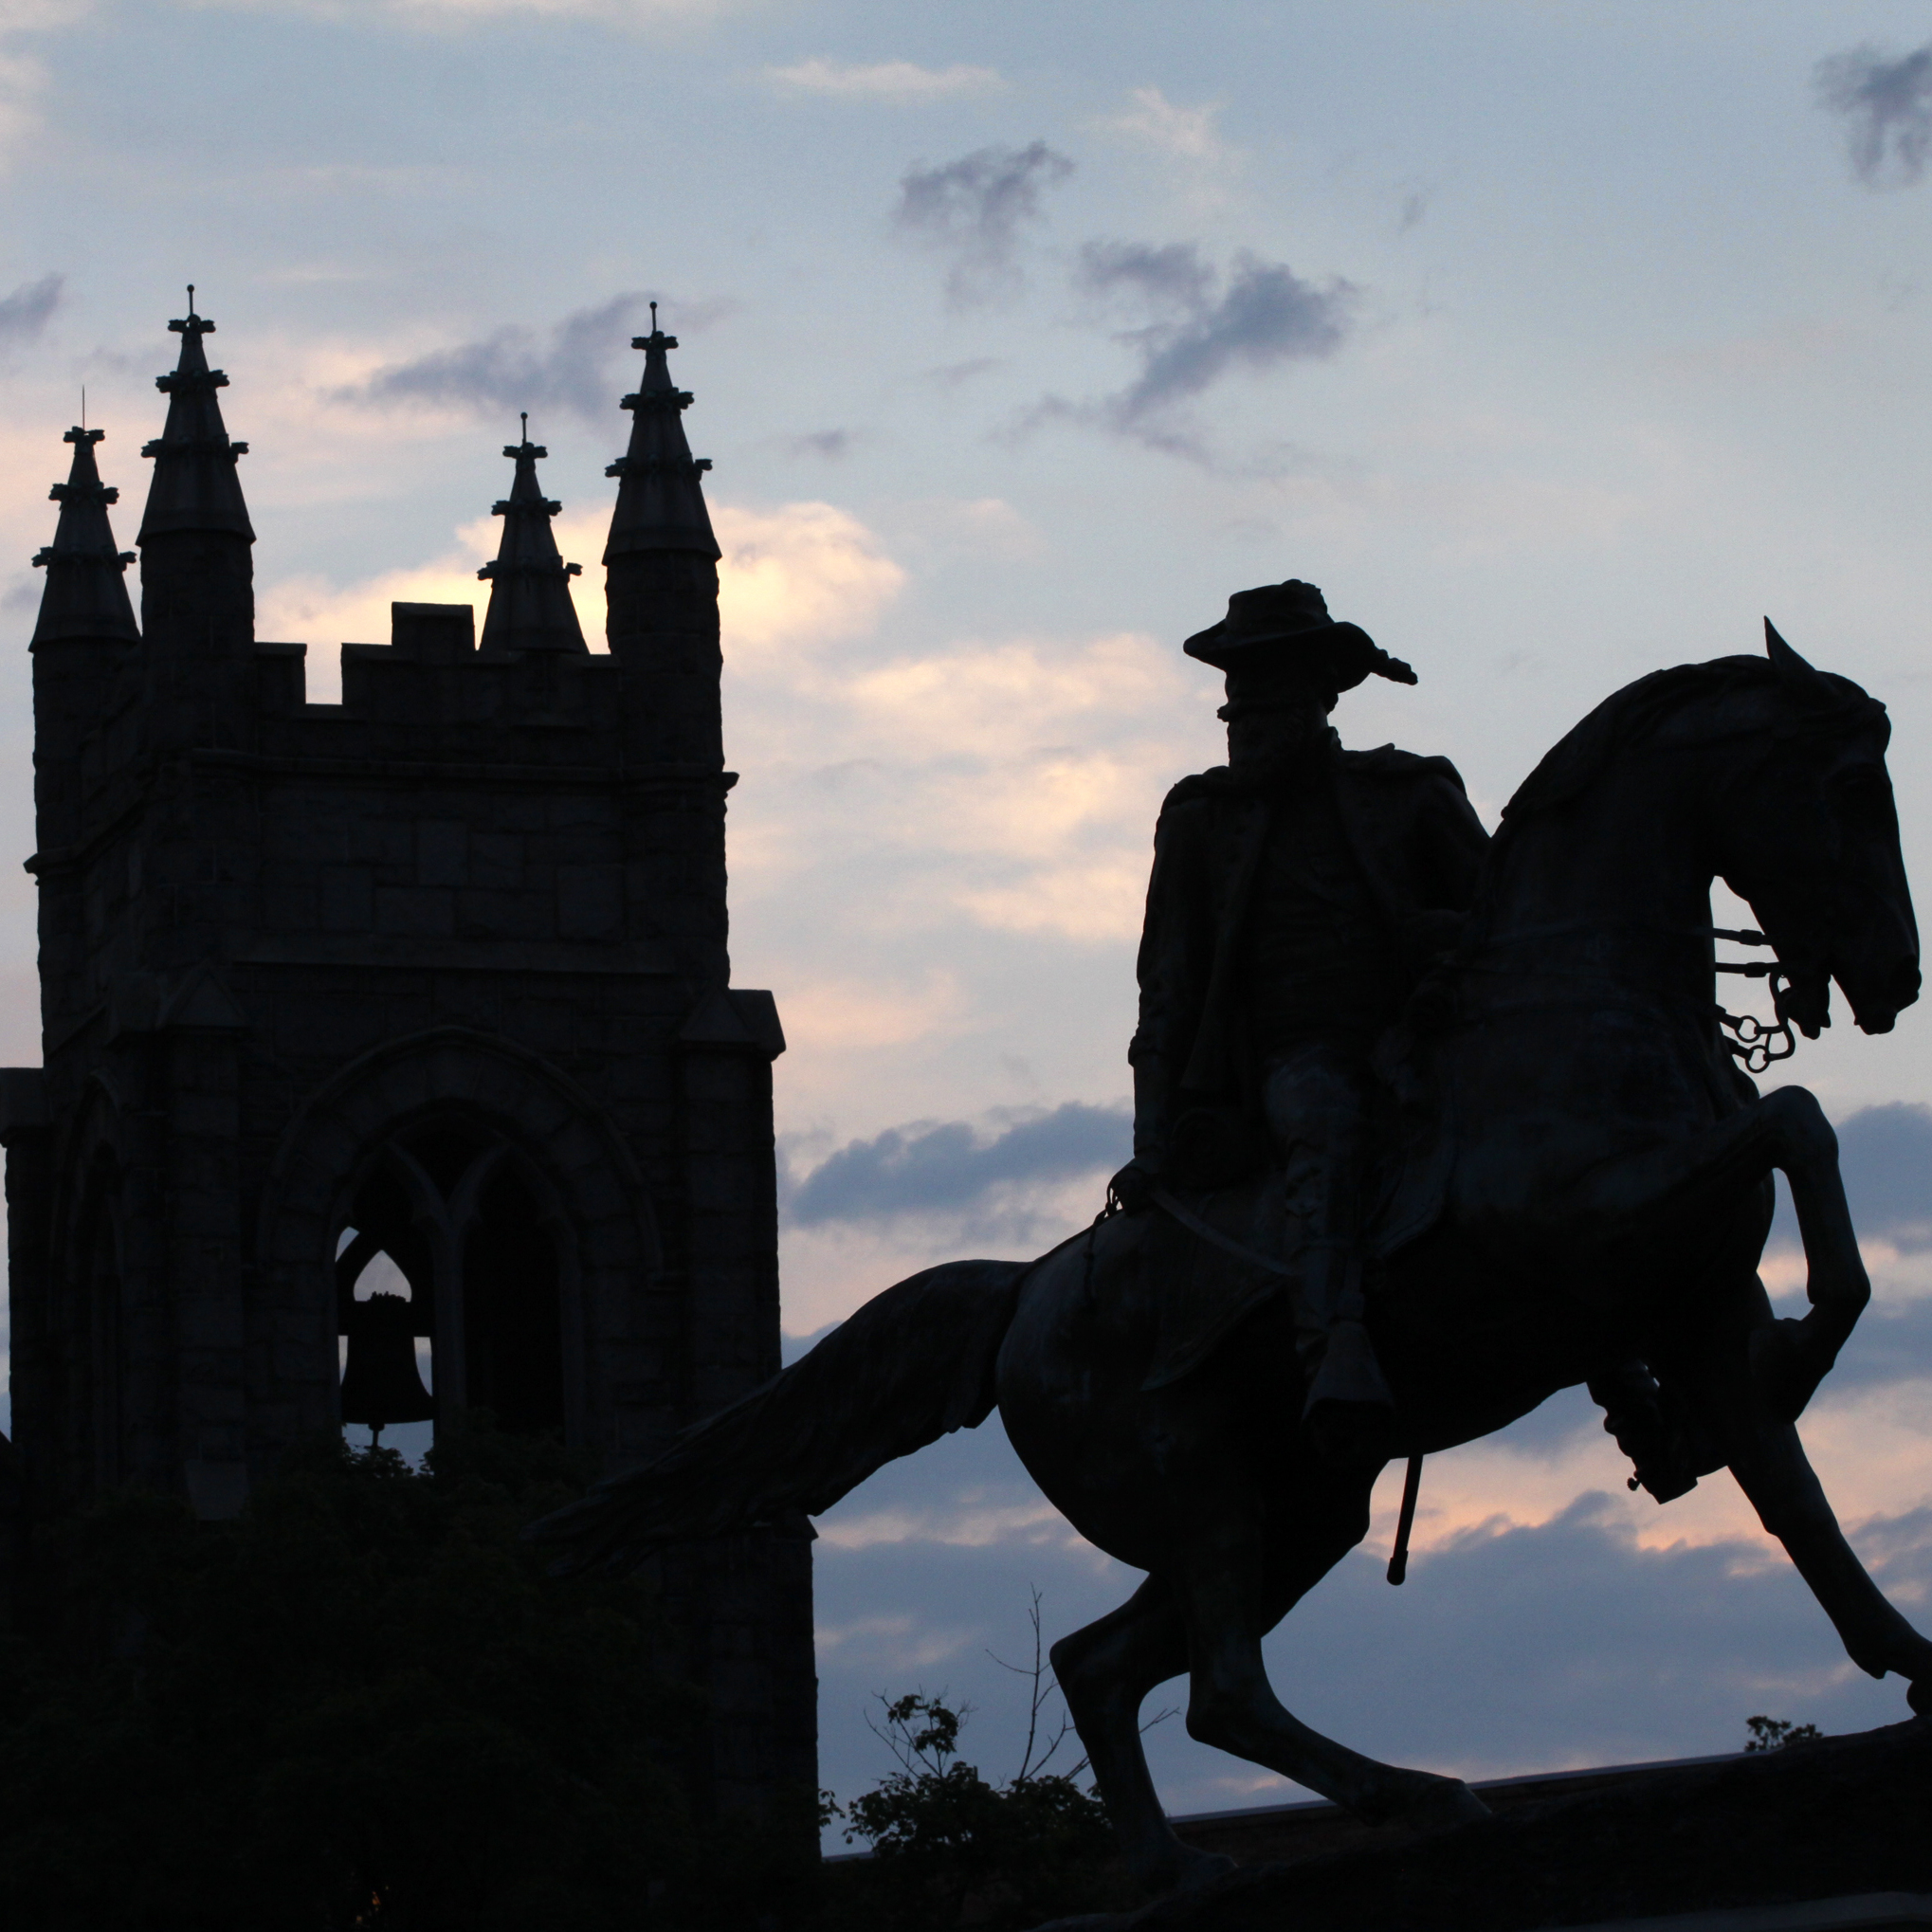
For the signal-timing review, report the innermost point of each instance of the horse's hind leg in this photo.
(1104, 1672)
(1227, 1601)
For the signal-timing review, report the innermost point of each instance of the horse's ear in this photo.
(1785, 661)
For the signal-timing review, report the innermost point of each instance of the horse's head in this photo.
(1807, 832)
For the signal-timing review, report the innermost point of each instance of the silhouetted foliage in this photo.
(1774, 1734)
(364, 1704)
(950, 1849)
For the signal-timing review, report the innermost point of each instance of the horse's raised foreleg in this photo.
(1703, 1172)
(1233, 1706)
(1104, 1672)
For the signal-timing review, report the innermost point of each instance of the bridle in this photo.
(1753, 1045)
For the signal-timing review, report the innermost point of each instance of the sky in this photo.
(1557, 342)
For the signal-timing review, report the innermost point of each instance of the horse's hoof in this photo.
(1437, 1804)
(1786, 1367)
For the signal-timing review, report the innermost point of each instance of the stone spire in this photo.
(86, 593)
(194, 485)
(660, 500)
(530, 600)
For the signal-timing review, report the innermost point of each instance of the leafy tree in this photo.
(364, 1704)
(950, 1849)
(1774, 1734)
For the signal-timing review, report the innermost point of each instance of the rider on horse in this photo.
(1299, 893)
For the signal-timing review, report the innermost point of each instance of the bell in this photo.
(379, 1380)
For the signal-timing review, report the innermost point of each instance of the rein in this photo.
(1747, 1038)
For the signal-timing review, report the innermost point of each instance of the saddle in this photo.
(1221, 1253)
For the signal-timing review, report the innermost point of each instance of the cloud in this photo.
(1885, 1153)
(797, 575)
(893, 81)
(830, 443)
(514, 368)
(1187, 134)
(1173, 275)
(1201, 325)
(948, 1167)
(23, 77)
(1891, 1345)
(27, 310)
(975, 208)
(1035, 764)
(1886, 104)
(953, 373)
(954, 527)
(1887, 1157)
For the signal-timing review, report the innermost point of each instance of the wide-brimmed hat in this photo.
(1278, 641)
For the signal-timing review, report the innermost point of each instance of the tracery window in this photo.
(450, 1290)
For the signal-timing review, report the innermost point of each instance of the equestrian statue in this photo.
(1428, 1127)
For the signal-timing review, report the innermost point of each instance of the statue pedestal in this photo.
(1796, 1840)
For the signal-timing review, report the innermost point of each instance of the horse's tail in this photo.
(912, 1365)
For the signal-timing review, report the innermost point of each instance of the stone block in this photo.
(387, 842)
(517, 811)
(434, 633)
(500, 915)
(420, 912)
(290, 907)
(442, 852)
(589, 901)
(348, 899)
(303, 830)
(496, 860)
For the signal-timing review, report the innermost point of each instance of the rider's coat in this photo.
(1410, 833)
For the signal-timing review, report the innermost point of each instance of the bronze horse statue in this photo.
(1586, 1180)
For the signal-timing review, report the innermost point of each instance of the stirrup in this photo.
(1348, 1372)
(1350, 1415)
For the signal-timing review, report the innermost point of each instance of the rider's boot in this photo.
(1349, 1413)
(1633, 1412)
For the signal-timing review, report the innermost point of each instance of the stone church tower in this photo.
(438, 972)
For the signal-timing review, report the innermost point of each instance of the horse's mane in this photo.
(1634, 714)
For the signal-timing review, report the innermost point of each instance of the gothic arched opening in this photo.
(449, 1246)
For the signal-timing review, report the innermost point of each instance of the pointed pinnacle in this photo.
(659, 497)
(85, 594)
(194, 485)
